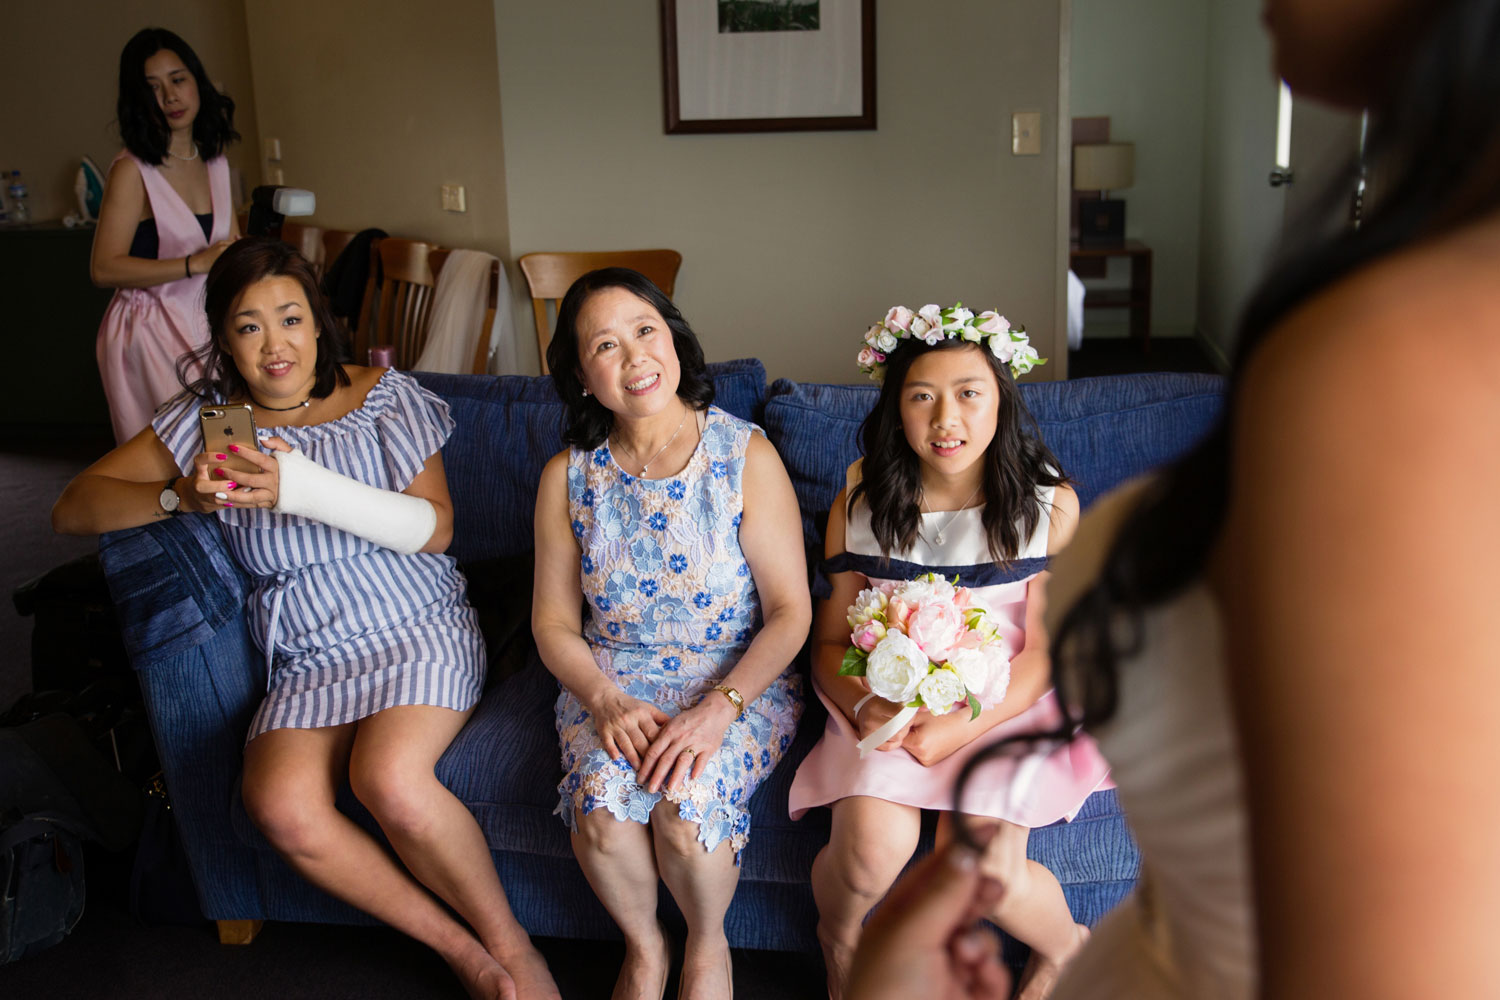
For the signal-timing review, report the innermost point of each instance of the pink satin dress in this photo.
(1029, 789)
(145, 330)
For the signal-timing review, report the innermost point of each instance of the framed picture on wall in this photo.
(768, 65)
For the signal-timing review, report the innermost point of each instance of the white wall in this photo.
(1142, 64)
(793, 243)
(1242, 213)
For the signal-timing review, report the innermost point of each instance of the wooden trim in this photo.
(239, 931)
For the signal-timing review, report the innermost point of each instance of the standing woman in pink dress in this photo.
(165, 219)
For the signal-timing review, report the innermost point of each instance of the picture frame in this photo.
(768, 65)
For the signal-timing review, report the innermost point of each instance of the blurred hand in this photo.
(926, 939)
(200, 262)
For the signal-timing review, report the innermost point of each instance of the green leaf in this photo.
(974, 708)
(854, 662)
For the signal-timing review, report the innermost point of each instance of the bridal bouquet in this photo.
(925, 643)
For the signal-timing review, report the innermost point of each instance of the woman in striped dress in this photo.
(374, 658)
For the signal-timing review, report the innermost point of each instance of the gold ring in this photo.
(689, 750)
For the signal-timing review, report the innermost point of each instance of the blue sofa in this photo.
(180, 595)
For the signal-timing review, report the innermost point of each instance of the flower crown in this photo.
(933, 325)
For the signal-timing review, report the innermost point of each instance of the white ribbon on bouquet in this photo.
(885, 732)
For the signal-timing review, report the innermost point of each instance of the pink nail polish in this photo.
(234, 448)
(229, 505)
(222, 473)
(232, 484)
(219, 457)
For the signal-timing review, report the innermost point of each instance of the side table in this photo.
(1091, 261)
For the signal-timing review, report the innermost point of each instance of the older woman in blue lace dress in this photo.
(676, 524)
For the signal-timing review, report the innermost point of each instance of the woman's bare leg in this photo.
(617, 859)
(870, 843)
(291, 777)
(436, 836)
(703, 884)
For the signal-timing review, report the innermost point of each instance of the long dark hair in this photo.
(588, 422)
(143, 127)
(1437, 139)
(1016, 462)
(245, 262)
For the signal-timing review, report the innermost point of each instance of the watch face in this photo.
(169, 500)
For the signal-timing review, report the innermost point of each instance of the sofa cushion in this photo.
(1103, 430)
(510, 426)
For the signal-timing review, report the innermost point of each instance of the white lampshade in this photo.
(1103, 166)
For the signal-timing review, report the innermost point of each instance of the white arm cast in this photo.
(393, 520)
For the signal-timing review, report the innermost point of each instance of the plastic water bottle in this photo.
(20, 212)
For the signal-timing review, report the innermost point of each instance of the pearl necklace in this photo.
(939, 537)
(185, 159)
(680, 424)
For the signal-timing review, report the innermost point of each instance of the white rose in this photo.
(1024, 359)
(872, 335)
(886, 342)
(973, 668)
(867, 606)
(941, 690)
(896, 667)
(1002, 348)
(920, 326)
(932, 313)
(971, 334)
(957, 317)
(999, 672)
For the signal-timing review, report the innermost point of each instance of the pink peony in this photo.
(868, 635)
(935, 625)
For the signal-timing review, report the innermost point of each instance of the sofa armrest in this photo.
(180, 597)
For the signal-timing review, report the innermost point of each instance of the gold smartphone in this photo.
(227, 425)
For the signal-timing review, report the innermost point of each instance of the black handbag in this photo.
(161, 882)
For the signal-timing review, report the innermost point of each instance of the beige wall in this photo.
(378, 104)
(60, 74)
(1143, 65)
(793, 243)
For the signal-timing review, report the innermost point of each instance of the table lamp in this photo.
(1102, 167)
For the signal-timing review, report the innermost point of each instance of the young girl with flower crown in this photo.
(955, 482)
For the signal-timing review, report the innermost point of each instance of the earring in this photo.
(586, 391)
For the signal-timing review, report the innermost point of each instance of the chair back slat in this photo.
(549, 276)
(306, 240)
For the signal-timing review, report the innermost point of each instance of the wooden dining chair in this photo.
(398, 299)
(334, 242)
(436, 260)
(308, 241)
(550, 274)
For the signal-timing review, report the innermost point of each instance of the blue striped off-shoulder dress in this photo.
(350, 628)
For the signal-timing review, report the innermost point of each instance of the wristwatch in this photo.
(169, 500)
(735, 698)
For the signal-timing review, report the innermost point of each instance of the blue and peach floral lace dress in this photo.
(671, 607)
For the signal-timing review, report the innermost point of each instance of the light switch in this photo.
(273, 150)
(453, 198)
(1026, 133)
(275, 176)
